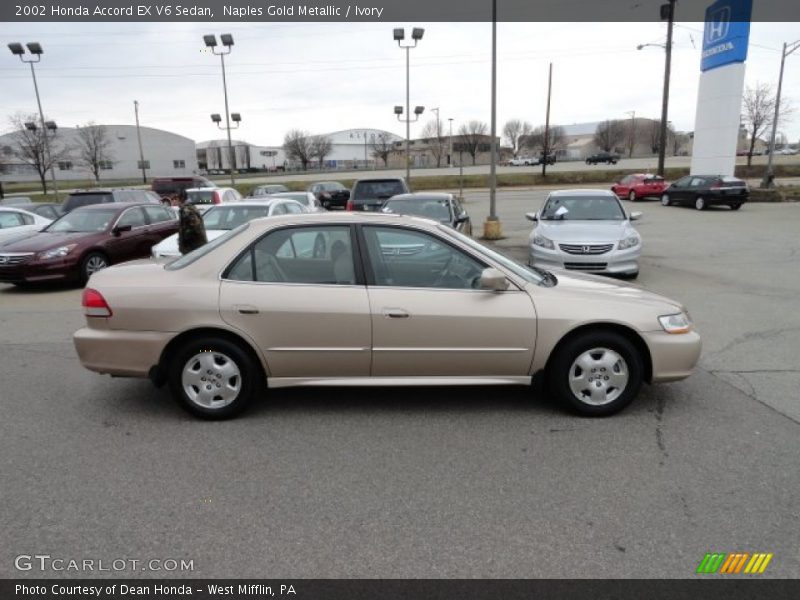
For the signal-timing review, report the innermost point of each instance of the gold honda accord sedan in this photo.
(374, 299)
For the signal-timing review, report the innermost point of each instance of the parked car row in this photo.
(528, 161)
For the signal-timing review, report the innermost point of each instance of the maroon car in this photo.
(86, 240)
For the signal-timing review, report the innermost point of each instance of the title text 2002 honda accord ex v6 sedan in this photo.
(374, 299)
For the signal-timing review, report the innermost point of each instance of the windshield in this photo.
(230, 217)
(582, 208)
(438, 210)
(200, 252)
(531, 274)
(83, 221)
(383, 189)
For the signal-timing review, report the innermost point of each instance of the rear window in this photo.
(74, 201)
(732, 181)
(378, 190)
(200, 197)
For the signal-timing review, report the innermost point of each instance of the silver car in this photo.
(585, 230)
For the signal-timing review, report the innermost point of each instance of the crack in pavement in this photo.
(754, 336)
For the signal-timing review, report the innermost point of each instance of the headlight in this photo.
(540, 240)
(59, 252)
(680, 323)
(629, 242)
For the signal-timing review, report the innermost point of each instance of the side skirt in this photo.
(282, 382)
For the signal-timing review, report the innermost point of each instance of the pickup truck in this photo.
(602, 157)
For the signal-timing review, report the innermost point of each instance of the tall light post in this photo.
(668, 14)
(438, 133)
(227, 42)
(139, 137)
(491, 228)
(768, 174)
(217, 119)
(450, 155)
(36, 52)
(416, 35)
(418, 110)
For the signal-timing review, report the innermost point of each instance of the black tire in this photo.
(91, 264)
(736, 206)
(631, 276)
(248, 380)
(700, 203)
(562, 363)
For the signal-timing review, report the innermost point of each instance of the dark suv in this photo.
(87, 197)
(602, 157)
(169, 186)
(370, 194)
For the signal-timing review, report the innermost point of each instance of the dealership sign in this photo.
(726, 33)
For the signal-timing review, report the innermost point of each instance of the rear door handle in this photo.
(246, 309)
(395, 313)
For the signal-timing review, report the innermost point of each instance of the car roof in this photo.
(20, 208)
(118, 206)
(206, 189)
(366, 179)
(583, 193)
(286, 194)
(422, 196)
(248, 203)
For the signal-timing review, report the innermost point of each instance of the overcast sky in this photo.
(327, 77)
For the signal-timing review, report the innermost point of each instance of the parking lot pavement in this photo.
(437, 482)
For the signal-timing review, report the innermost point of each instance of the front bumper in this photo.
(59, 269)
(120, 353)
(613, 262)
(674, 356)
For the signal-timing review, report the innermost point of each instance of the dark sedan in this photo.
(86, 240)
(444, 208)
(702, 191)
(331, 194)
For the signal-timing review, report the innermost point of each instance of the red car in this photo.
(86, 240)
(639, 185)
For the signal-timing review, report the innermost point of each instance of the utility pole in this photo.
(768, 174)
(139, 137)
(667, 11)
(546, 153)
(450, 155)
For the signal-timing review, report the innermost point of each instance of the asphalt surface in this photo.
(467, 482)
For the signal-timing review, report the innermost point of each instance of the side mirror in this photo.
(635, 216)
(462, 218)
(119, 229)
(492, 279)
(532, 216)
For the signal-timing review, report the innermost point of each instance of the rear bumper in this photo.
(674, 356)
(120, 353)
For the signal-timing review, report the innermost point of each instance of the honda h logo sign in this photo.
(726, 33)
(587, 249)
(718, 24)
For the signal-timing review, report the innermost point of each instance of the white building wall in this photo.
(169, 154)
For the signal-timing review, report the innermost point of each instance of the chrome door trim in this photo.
(283, 382)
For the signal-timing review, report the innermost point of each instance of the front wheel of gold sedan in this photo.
(213, 378)
(597, 373)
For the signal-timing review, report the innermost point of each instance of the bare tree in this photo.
(536, 142)
(30, 146)
(631, 135)
(515, 131)
(298, 146)
(382, 146)
(609, 134)
(321, 146)
(678, 140)
(472, 135)
(93, 148)
(758, 104)
(654, 135)
(432, 133)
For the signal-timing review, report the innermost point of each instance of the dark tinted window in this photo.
(378, 189)
(133, 217)
(201, 197)
(429, 208)
(76, 200)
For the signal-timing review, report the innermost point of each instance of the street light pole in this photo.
(438, 136)
(768, 174)
(36, 50)
(491, 228)
(399, 36)
(662, 143)
(227, 42)
(450, 155)
(139, 137)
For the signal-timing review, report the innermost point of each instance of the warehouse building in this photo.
(165, 154)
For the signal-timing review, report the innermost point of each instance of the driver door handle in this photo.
(246, 309)
(395, 313)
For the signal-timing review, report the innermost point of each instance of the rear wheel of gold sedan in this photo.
(597, 373)
(213, 378)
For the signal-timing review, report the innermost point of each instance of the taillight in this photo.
(217, 199)
(95, 304)
(349, 205)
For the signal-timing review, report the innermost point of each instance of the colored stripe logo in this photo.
(734, 563)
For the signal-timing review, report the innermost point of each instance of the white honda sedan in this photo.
(585, 230)
(17, 223)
